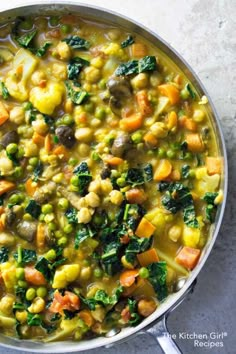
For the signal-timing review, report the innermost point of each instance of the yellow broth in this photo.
(109, 178)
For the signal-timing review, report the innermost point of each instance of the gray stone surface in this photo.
(203, 31)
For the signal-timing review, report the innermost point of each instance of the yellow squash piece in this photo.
(191, 236)
(64, 275)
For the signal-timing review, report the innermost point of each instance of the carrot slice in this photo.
(48, 143)
(4, 115)
(163, 170)
(188, 123)
(113, 160)
(188, 257)
(86, 316)
(131, 123)
(6, 186)
(172, 120)
(195, 143)
(150, 139)
(145, 228)
(171, 92)
(213, 165)
(136, 196)
(139, 50)
(148, 257)
(33, 276)
(69, 301)
(143, 103)
(40, 236)
(127, 278)
(61, 152)
(30, 187)
(38, 139)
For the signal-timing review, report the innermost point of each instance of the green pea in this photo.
(20, 153)
(184, 94)
(41, 291)
(170, 154)
(102, 84)
(47, 209)
(26, 24)
(67, 119)
(74, 181)
(20, 273)
(27, 217)
(143, 273)
(33, 161)
(15, 199)
(63, 203)
(98, 219)
(192, 174)
(62, 241)
(121, 182)
(68, 228)
(73, 161)
(161, 153)
(95, 156)
(30, 294)
(136, 137)
(52, 226)
(22, 283)
(98, 273)
(150, 153)
(12, 148)
(41, 217)
(29, 168)
(59, 234)
(21, 187)
(100, 113)
(65, 29)
(54, 21)
(51, 255)
(89, 107)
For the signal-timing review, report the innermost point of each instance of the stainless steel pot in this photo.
(158, 318)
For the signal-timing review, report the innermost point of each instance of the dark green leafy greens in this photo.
(71, 215)
(102, 298)
(37, 171)
(128, 41)
(77, 43)
(4, 91)
(135, 318)
(75, 66)
(26, 39)
(77, 97)
(185, 171)
(138, 176)
(84, 176)
(157, 277)
(41, 51)
(33, 208)
(211, 208)
(178, 197)
(147, 63)
(4, 253)
(48, 268)
(82, 234)
(24, 256)
(190, 91)
(136, 246)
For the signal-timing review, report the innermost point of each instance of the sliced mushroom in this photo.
(120, 145)
(9, 137)
(10, 217)
(42, 194)
(66, 136)
(27, 230)
(119, 87)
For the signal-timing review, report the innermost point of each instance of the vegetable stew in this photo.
(109, 178)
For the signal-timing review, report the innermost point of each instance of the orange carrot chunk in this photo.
(30, 187)
(69, 301)
(6, 186)
(148, 257)
(139, 50)
(113, 160)
(150, 139)
(188, 257)
(136, 196)
(61, 152)
(172, 120)
(145, 228)
(131, 123)
(86, 316)
(38, 139)
(127, 278)
(33, 276)
(143, 103)
(171, 92)
(163, 170)
(213, 165)
(195, 143)
(4, 115)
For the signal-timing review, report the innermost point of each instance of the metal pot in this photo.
(159, 332)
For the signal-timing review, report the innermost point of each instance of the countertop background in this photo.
(203, 32)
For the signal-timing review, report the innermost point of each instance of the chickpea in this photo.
(106, 186)
(59, 71)
(95, 186)
(140, 81)
(92, 200)
(159, 129)
(116, 197)
(37, 77)
(63, 51)
(146, 307)
(84, 149)
(97, 62)
(92, 74)
(6, 304)
(84, 135)
(6, 166)
(85, 273)
(17, 115)
(198, 115)
(31, 149)
(38, 305)
(84, 215)
(39, 125)
(21, 316)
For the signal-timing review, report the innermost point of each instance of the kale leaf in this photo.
(128, 41)
(84, 175)
(190, 91)
(102, 298)
(33, 208)
(77, 97)
(26, 39)
(4, 252)
(71, 215)
(41, 51)
(185, 171)
(75, 66)
(157, 277)
(34, 319)
(76, 42)
(135, 318)
(37, 171)
(24, 256)
(147, 63)
(138, 176)
(4, 90)
(136, 246)
(82, 234)
(211, 207)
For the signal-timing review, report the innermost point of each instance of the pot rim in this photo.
(170, 303)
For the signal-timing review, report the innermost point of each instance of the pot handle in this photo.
(161, 334)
